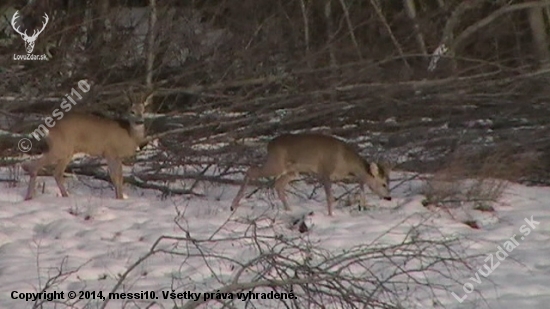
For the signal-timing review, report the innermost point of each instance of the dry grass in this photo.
(478, 180)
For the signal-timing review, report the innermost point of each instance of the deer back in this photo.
(317, 153)
(94, 135)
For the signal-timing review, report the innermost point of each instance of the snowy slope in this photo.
(103, 237)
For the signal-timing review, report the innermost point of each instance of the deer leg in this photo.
(120, 180)
(58, 175)
(362, 201)
(32, 168)
(271, 168)
(280, 185)
(115, 172)
(328, 192)
(250, 174)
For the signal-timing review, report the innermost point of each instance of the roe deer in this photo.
(328, 158)
(94, 135)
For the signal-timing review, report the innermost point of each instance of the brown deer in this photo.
(327, 157)
(94, 135)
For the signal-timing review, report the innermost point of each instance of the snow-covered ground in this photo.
(103, 237)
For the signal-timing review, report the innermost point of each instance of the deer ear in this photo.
(148, 97)
(374, 169)
(387, 166)
(127, 96)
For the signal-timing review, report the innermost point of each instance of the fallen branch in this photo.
(135, 181)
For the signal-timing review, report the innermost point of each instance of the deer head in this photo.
(29, 40)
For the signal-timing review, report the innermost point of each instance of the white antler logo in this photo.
(29, 40)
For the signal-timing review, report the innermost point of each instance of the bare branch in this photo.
(351, 29)
(151, 50)
(382, 18)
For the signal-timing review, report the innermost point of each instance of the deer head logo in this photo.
(29, 40)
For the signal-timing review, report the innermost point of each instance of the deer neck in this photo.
(138, 132)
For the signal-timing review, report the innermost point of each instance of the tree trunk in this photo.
(411, 12)
(540, 37)
(100, 16)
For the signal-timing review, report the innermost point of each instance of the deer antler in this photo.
(15, 16)
(24, 34)
(43, 26)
